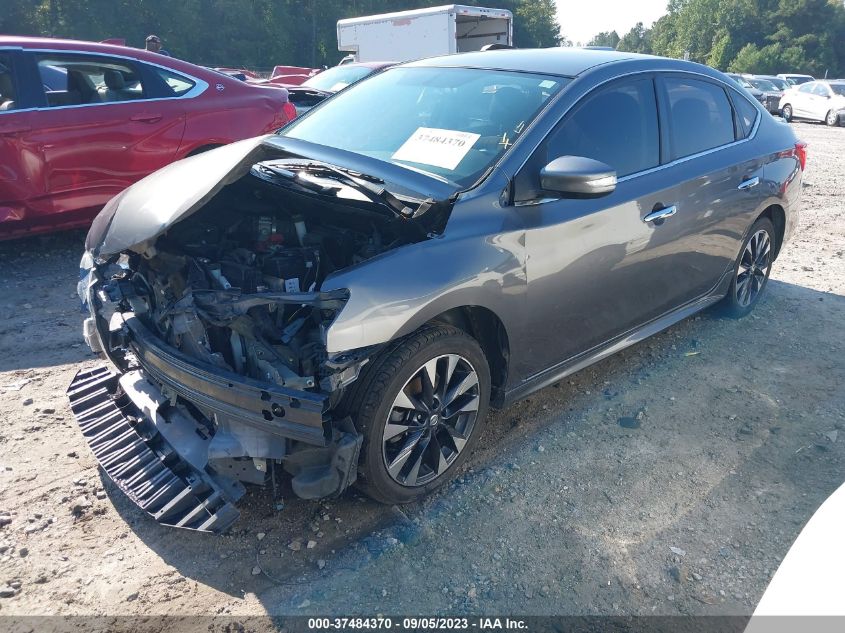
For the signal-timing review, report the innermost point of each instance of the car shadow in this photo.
(283, 548)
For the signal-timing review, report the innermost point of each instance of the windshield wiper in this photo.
(363, 183)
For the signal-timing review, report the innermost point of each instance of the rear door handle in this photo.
(749, 183)
(661, 214)
(146, 118)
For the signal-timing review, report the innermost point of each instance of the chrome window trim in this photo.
(651, 170)
(200, 85)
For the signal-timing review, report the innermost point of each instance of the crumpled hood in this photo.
(134, 218)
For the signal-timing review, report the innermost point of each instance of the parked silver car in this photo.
(342, 301)
(815, 101)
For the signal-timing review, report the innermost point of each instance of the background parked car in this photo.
(795, 79)
(815, 101)
(291, 75)
(80, 122)
(771, 93)
(779, 83)
(330, 81)
(741, 81)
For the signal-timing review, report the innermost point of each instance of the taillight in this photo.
(289, 110)
(801, 153)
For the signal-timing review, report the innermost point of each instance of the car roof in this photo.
(80, 46)
(562, 61)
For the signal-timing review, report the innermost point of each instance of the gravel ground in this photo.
(741, 437)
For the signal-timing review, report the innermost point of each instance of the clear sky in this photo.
(579, 20)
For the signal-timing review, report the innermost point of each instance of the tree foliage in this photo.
(605, 38)
(243, 33)
(761, 36)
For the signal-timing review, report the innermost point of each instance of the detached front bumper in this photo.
(143, 464)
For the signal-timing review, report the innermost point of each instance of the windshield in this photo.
(781, 84)
(337, 78)
(764, 84)
(838, 89)
(797, 80)
(741, 81)
(451, 123)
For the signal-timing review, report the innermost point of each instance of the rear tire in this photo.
(832, 119)
(751, 271)
(786, 113)
(420, 406)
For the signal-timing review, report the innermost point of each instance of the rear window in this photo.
(701, 116)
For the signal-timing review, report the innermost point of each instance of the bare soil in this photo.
(562, 511)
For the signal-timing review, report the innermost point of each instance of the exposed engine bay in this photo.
(217, 328)
(235, 284)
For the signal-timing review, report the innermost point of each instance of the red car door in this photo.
(105, 128)
(14, 125)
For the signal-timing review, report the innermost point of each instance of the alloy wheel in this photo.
(431, 420)
(832, 118)
(753, 267)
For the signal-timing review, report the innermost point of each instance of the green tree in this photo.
(249, 33)
(637, 40)
(605, 38)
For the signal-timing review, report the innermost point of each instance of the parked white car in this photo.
(795, 79)
(815, 101)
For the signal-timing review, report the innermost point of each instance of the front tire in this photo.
(832, 119)
(420, 406)
(786, 113)
(752, 270)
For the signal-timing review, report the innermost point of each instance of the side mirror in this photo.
(578, 176)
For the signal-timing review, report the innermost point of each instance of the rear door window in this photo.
(8, 89)
(700, 116)
(77, 79)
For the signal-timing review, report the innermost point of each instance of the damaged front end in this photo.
(213, 321)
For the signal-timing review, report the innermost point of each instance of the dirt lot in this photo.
(741, 437)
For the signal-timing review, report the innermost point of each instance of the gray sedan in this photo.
(340, 303)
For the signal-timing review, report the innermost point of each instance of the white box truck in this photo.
(407, 35)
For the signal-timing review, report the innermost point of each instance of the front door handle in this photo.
(659, 215)
(749, 183)
(146, 118)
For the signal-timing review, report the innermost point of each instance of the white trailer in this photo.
(407, 35)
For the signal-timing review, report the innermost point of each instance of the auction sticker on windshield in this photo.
(433, 146)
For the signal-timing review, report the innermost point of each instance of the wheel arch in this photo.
(487, 328)
(777, 216)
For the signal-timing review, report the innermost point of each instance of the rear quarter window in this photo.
(747, 114)
(177, 84)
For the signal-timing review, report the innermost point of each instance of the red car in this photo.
(80, 122)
